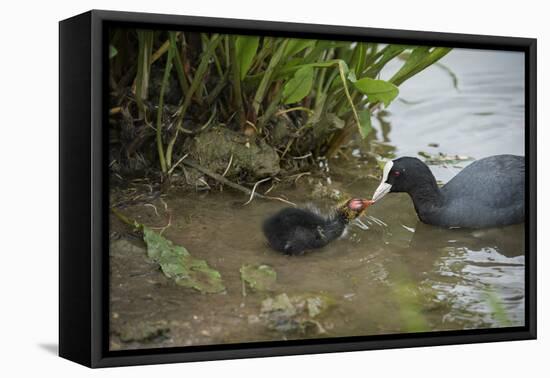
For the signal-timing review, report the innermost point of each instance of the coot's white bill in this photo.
(384, 187)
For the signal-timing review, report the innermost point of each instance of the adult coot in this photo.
(293, 231)
(489, 192)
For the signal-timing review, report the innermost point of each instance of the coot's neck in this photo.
(335, 225)
(426, 195)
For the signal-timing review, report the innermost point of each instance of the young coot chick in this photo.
(293, 231)
(487, 193)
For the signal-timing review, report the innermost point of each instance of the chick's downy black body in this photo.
(293, 231)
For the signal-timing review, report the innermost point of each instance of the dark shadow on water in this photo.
(52, 348)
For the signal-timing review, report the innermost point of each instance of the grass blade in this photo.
(245, 50)
(266, 79)
(427, 60)
(145, 49)
(160, 109)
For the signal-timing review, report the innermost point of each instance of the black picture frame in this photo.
(83, 196)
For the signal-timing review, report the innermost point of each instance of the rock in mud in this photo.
(252, 159)
(296, 313)
(258, 277)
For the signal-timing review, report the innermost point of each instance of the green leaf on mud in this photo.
(259, 277)
(245, 49)
(365, 126)
(177, 263)
(299, 86)
(377, 90)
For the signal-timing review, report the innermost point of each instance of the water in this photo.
(397, 276)
(484, 117)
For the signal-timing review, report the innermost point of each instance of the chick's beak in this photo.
(367, 203)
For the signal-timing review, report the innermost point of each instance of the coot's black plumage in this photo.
(293, 231)
(490, 192)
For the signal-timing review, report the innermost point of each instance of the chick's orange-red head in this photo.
(359, 204)
(355, 207)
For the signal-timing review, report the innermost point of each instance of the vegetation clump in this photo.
(268, 105)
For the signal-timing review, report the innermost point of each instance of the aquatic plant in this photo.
(301, 96)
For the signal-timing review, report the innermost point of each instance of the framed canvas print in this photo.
(234, 188)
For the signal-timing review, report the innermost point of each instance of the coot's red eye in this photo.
(396, 173)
